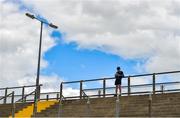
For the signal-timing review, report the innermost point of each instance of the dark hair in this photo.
(118, 68)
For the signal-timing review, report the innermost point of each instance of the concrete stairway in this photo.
(5, 109)
(28, 111)
(166, 105)
(24, 109)
(130, 106)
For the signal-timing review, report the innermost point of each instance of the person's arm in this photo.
(122, 74)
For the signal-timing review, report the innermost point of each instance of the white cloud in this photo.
(134, 30)
(139, 29)
(19, 41)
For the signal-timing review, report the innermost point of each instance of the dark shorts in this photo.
(118, 82)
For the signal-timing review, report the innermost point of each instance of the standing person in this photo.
(119, 75)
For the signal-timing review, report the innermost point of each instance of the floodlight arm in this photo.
(33, 17)
(53, 26)
(30, 15)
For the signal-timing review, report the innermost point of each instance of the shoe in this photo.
(115, 95)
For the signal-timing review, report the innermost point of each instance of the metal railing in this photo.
(8, 95)
(103, 90)
(23, 99)
(17, 88)
(12, 100)
(43, 96)
(128, 87)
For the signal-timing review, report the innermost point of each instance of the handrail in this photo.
(141, 92)
(84, 94)
(19, 87)
(154, 84)
(139, 75)
(21, 99)
(6, 96)
(40, 93)
(45, 93)
(140, 85)
(63, 98)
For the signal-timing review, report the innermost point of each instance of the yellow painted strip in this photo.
(42, 105)
(28, 111)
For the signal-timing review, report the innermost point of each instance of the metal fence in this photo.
(20, 94)
(153, 87)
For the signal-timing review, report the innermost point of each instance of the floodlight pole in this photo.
(39, 63)
(37, 92)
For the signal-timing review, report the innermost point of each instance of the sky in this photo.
(92, 39)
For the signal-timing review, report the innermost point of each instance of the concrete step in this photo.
(6, 109)
(130, 106)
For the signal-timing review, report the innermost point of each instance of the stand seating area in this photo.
(162, 105)
(153, 99)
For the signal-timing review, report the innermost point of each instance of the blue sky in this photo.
(72, 63)
(93, 38)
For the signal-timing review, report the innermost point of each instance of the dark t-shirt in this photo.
(119, 75)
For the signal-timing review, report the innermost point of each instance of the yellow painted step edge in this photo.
(28, 111)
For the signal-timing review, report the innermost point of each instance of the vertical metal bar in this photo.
(60, 111)
(99, 93)
(61, 90)
(162, 89)
(24, 98)
(57, 96)
(88, 112)
(23, 93)
(13, 105)
(154, 83)
(129, 88)
(83, 94)
(5, 96)
(81, 87)
(117, 106)
(150, 105)
(104, 87)
(47, 97)
(35, 104)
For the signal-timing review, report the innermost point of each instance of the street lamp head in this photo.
(53, 26)
(30, 15)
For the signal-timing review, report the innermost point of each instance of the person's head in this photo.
(118, 68)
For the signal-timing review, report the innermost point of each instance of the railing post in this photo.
(150, 105)
(88, 108)
(24, 99)
(61, 90)
(162, 88)
(117, 106)
(154, 83)
(60, 111)
(81, 87)
(35, 103)
(47, 97)
(23, 93)
(99, 93)
(57, 96)
(13, 105)
(5, 96)
(129, 88)
(83, 94)
(104, 87)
